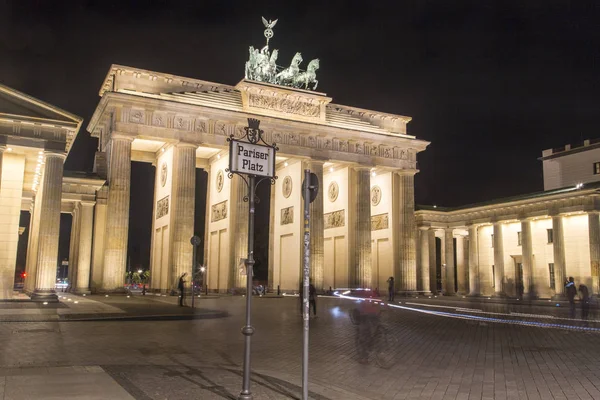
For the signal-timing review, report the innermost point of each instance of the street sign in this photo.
(251, 159)
(313, 187)
(195, 240)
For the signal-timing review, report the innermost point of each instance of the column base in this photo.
(82, 291)
(407, 293)
(44, 295)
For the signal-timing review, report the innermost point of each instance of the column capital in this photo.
(87, 203)
(121, 136)
(424, 228)
(55, 153)
(405, 172)
(186, 144)
(361, 168)
(594, 212)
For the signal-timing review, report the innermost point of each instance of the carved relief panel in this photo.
(218, 211)
(162, 207)
(335, 219)
(379, 222)
(287, 215)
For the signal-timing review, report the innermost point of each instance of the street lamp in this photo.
(140, 271)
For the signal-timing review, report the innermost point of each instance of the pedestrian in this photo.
(181, 288)
(390, 282)
(144, 290)
(312, 299)
(585, 301)
(571, 291)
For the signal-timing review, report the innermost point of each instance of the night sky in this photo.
(490, 84)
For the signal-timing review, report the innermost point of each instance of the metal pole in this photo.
(306, 291)
(248, 330)
(193, 273)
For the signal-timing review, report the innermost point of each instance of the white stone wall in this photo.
(577, 249)
(571, 169)
(381, 239)
(336, 247)
(543, 254)
(13, 167)
(219, 232)
(161, 230)
(288, 239)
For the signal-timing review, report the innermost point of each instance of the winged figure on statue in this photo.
(262, 66)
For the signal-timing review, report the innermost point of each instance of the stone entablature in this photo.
(139, 117)
(565, 202)
(29, 122)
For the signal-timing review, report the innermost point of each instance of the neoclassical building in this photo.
(530, 243)
(364, 227)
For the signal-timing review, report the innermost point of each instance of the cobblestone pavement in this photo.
(438, 356)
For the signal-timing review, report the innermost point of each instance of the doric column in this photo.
(594, 237)
(424, 251)
(527, 250)
(98, 239)
(449, 244)
(47, 257)
(239, 221)
(558, 246)
(498, 259)
(361, 274)
(406, 233)
(117, 213)
(84, 253)
(432, 261)
(183, 201)
(474, 284)
(206, 225)
(461, 273)
(317, 229)
(73, 248)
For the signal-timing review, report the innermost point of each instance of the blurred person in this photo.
(312, 299)
(366, 316)
(584, 296)
(390, 282)
(571, 292)
(181, 287)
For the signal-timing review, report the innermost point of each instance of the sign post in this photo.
(310, 188)
(250, 160)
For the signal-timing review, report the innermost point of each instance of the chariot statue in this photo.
(262, 66)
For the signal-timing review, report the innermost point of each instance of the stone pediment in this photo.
(283, 102)
(22, 106)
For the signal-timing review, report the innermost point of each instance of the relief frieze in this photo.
(284, 105)
(162, 207)
(287, 215)
(218, 211)
(379, 222)
(334, 219)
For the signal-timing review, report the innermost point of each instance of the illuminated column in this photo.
(84, 252)
(272, 206)
(432, 261)
(449, 244)
(239, 221)
(558, 246)
(461, 274)
(183, 194)
(527, 249)
(74, 248)
(498, 259)
(98, 240)
(594, 235)
(32, 247)
(206, 222)
(317, 229)
(474, 284)
(361, 274)
(49, 230)
(424, 251)
(406, 232)
(117, 213)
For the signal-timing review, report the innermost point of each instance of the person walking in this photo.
(181, 288)
(571, 291)
(390, 282)
(312, 299)
(585, 301)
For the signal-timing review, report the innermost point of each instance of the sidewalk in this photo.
(73, 307)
